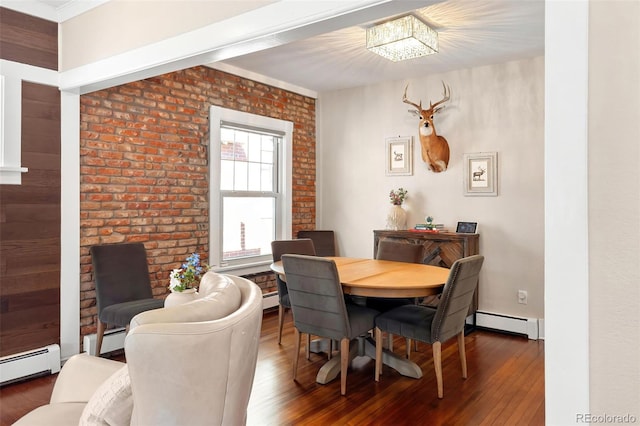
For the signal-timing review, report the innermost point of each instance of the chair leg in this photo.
(280, 322)
(296, 353)
(344, 364)
(378, 354)
(308, 348)
(330, 353)
(437, 363)
(100, 334)
(463, 355)
(408, 348)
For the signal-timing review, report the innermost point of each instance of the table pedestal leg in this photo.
(331, 369)
(320, 345)
(367, 347)
(403, 366)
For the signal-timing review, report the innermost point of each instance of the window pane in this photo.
(268, 144)
(254, 147)
(254, 177)
(248, 226)
(226, 175)
(267, 178)
(240, 176)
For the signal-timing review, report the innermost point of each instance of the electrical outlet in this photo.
(522, 297)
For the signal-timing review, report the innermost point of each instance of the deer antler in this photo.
(407, 101)
(446, 95)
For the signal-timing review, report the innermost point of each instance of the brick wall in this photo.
(144, 167)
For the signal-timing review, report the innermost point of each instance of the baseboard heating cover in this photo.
(25, 364)
(112, 341)
(526, 326)
(269, 300)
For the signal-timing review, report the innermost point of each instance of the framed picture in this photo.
(399, 156)
(467, 227)
(481, 174)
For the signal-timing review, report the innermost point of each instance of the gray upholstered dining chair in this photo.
(324, 241)
(123, 286)
(278, 248)
(319, 307)
(398, 252)
(435, 326)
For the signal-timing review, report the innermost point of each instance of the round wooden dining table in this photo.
(384, 278)
(380, 278)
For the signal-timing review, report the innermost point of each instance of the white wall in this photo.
(493, 108)
(614, 208)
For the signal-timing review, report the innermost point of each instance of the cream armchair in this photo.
(187, 364)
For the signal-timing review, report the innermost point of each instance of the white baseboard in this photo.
(29, 363)
(525, 326)
(112, 341)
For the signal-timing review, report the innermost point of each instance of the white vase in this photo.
(397, 218)
(180, 297)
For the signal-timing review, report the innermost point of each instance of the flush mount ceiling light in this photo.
(403, 38)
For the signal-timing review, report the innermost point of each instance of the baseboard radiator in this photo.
(269, 300)
(529, 327)
(31, 363)
(114, 339)
(111, 341)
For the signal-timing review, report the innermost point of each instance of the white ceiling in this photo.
(471, 33)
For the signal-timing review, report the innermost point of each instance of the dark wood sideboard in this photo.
(441, 249)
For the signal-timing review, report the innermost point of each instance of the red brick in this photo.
(154, 186)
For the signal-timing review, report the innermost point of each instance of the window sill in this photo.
(12, 175)
(241, 270)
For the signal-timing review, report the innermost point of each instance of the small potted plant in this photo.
(184, 281)
(430, 225)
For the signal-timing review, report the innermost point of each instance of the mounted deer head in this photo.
(435, 149)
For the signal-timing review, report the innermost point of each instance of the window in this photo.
(250, 187)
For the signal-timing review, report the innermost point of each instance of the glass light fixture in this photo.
(403, 38)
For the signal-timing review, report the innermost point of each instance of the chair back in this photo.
(456, 298)
(324, 241)
(280, 247)
(400, 252)
(120, 273)
(316, 296)
(300, 246)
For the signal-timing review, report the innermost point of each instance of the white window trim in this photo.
(216, 116)
(12, 74)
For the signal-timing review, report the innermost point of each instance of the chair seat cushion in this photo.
(121, 314)
(384, 304)
(409, 321)
(66, 413)
(284, 301)
(361, 319)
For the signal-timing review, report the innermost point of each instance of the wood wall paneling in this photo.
(30, 230)
(28, 40)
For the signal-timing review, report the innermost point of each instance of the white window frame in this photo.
(218, 115)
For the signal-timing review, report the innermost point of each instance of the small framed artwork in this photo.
(467, 227)
(399, 156)
(481, 174)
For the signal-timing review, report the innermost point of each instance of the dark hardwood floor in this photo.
(505, 386)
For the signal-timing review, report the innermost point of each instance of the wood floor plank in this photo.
(505, 386)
